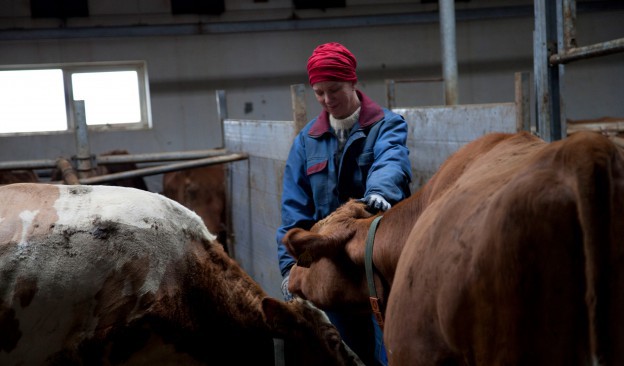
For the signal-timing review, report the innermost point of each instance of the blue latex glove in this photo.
(377, 202)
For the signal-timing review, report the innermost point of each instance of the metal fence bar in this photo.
(118, 159)
(522, 100)
(569, 25)
(28, 164)
(222, 112)
(594, 50)
(164, 168)
(158, 157)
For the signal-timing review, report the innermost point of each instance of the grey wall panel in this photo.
(240, 210)
(426, 157)
(255, 188)
(436, 132)
(267, 139)
(459, 123)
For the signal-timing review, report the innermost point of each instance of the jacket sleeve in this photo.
(297, 202)
(391, 172)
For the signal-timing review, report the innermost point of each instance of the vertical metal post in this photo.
(449, 54)
(297, 94)
(569, 25)
(547, 76)
(222, 113)
(566, 39)
(523, 108)
(83, 152)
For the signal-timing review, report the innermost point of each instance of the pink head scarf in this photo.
(331, 62)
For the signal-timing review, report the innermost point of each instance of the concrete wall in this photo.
(256, 68)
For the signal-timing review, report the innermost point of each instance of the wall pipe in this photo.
(594, 50)
(164, 168)
(118, 159)
(449, 53)
(83, 152)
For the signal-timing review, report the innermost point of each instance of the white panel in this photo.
(459, 123)
(434, 133)
(256, 198)
(267, 139)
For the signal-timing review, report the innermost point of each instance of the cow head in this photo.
(330, 269)
(316, 340)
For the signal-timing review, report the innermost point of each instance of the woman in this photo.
(353, 149)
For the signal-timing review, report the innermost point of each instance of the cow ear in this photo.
(297, 241)
(277, 314)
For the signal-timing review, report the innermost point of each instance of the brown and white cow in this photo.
(512, 254)
(100, 275)
(203, 191)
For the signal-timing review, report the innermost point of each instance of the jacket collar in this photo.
(370, 113)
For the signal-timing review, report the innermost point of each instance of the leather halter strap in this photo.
(368, 265)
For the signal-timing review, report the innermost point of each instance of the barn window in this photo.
(40, 98)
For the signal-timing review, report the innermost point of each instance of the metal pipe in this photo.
(119, 159)
(164, 168)
(595, 50)
(546, 77)
(67, 171)
(449, 54)
(222, 112)
(28, 164)
(83, 152)
(522, 100)
(569, 25)
(157, 157)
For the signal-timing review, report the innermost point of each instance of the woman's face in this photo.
(338, 98)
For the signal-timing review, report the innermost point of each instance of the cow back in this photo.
(518, 262)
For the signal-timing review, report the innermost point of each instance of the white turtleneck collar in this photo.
(345, 123)
(342, 127)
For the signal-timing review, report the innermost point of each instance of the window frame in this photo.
(68, 69)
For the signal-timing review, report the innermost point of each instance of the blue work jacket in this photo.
(317, 181)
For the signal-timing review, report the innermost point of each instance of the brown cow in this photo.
(203, 191)
(100, 275)
(513, 254)
(18, 176)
